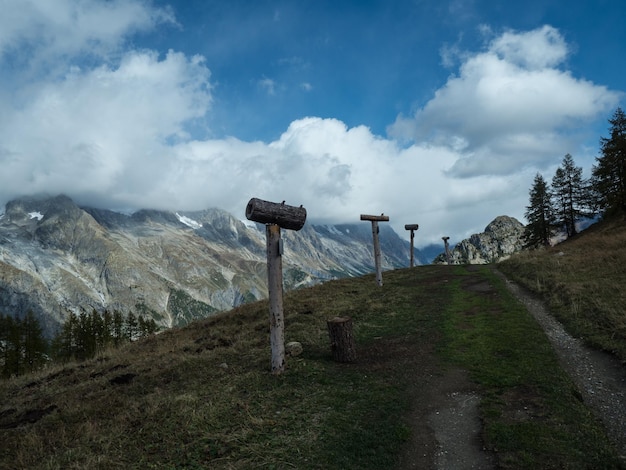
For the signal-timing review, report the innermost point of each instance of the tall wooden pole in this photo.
(377, 255)
(377, 262)
(447, 248)
(412, 228)
(275, 216)
(412, 237)
(275, 287)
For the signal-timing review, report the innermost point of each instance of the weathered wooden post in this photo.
(412, 228)
(275, 216)
(445, 244)
(375, 219)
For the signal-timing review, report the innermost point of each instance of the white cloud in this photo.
(268, 85)
(509, 106)
(119, 133)
(103, 129)
(63, 28)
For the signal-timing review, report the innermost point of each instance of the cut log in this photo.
(266, 212)
(341, 339)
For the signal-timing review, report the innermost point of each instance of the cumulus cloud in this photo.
(118, 132)
(103, 129)
(508, 106)
(65, 28)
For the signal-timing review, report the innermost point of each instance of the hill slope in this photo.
(583, 281)
(202, 396)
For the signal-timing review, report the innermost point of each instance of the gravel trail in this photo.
(600, 377)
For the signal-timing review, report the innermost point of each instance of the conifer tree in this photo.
(33, 341)
(4, 342)
(570, 196)
(539, 214)
(118, 328)
(131, 327)
(14, 363)
(65, 343)
(107, 329)
(609, 172)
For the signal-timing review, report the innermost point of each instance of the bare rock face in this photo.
(57, 257)
(501, 238)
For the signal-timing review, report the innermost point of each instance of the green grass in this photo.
(532, 413)
(203, 396)
(583, 282)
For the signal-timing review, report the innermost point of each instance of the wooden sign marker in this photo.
(412, 228)
(445, 244)
(276, 216)
(375, 219)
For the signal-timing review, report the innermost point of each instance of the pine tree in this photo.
(13, 357)
(539, 214)
(131, 327)
(609, 173)
(33, 341)
(118, 328)
(570, 196)
(107, 329)
(96, 326)
(4, 342)
(65, 344)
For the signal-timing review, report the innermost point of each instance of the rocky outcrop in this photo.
(501, 238)
(57, 257)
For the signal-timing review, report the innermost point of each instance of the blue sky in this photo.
(434, 112)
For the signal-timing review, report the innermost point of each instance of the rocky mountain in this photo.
(57, 257)
(501, 238)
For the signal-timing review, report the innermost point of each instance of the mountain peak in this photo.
(502, 237)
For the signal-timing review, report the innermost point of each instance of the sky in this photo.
(435, 112)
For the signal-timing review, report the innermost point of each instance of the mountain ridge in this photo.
(174, 266)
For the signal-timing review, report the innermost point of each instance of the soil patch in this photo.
(446, 425)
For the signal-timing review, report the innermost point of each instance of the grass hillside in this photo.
(202, 396)
(584, 282)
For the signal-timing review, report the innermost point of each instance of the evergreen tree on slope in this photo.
(539, 214)
(570, 195)
(609, 173)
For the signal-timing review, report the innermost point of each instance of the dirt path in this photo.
(446, 427)
(600, 377)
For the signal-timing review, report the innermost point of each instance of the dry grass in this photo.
(203, 397)
(583, 280)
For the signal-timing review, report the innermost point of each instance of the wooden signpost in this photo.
(412, 228)
(275, 216)
(375, 219)
(445, 244)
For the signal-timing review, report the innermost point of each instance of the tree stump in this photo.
(341, 339)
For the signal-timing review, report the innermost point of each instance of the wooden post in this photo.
(412, 228)
(445, 244)
(276, 216)
(377, 261)
(341, 339)
(275, 288)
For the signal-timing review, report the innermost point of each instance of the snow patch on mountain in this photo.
(189, 222)
(35, 215)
